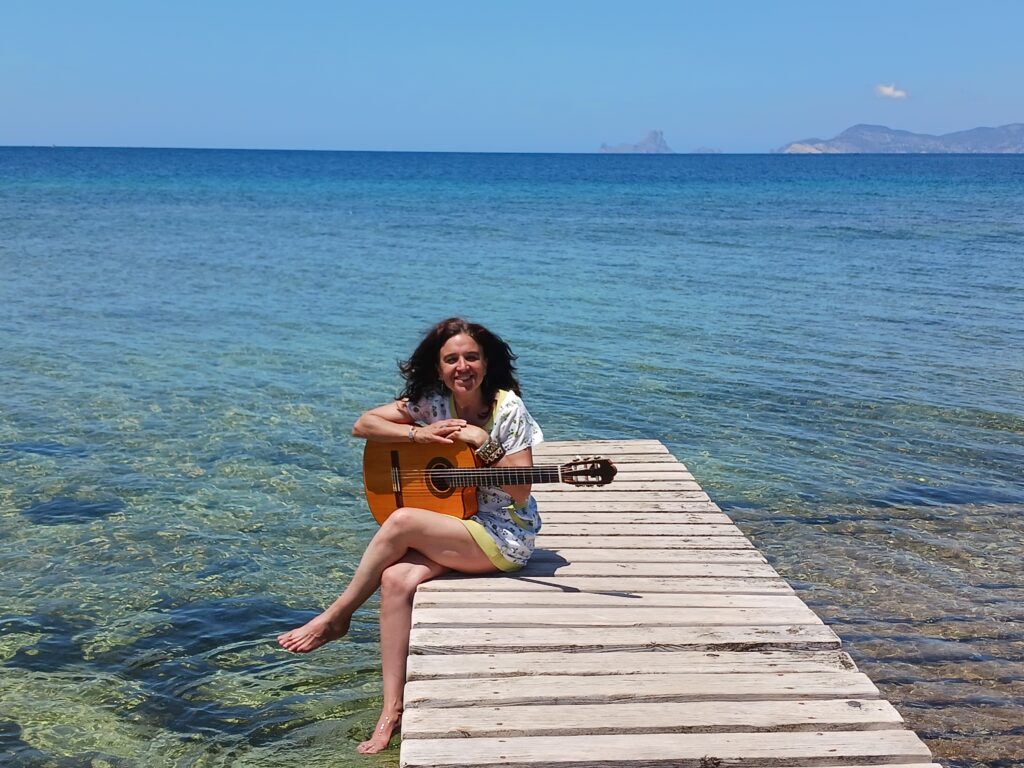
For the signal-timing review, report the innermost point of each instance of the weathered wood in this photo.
(554, 541)
(618, 528)
(431, 640)
(632, 446)
(727, 570)
(620, 484)
(637, 718)
(435, 599)
(623, 458)
(658, 467)
(627, 472)
(632, 517)
(625, 663)
(621, 455)
(646, 631)
(620, 507)
(589, 494)
(611, 585)
(680, 750)
(666, 686)
(692, 555)
(610, 616)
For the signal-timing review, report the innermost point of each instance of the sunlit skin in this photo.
(413, 545)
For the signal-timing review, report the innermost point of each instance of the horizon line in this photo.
(485, 152)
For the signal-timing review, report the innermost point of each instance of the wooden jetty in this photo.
(646, 631)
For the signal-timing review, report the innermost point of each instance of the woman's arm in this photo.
(392, 423)
(476, 437)
(524, 458)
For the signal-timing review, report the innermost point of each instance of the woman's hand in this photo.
(472, 435)
(441, 431)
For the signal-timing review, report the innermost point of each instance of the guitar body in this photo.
(398, 475)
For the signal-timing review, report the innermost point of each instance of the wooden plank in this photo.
(680, 750)
(618, 528)
(668, 686)
(430, 640)
(555, 541)
(658, 465)
(658, 468)
(632, 507)
(608, 450)
(675, 569)
(602, 496)
(669, 473)
(621, 484)
(558, 517)
(624, 585)
(647, 555)
(662, 717)
(434, 599)
(422, 667)
(610, 616)
(646, 445)
(618, 457)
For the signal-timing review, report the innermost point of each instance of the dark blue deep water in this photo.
(834, 345)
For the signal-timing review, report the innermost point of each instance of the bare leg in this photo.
(397, 586)
(441, 538)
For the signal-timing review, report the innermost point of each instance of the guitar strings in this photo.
(480, 471)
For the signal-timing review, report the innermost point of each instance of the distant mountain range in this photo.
(879, 139)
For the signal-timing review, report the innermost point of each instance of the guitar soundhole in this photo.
(438, 481)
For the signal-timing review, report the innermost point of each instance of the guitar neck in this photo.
(479, 476)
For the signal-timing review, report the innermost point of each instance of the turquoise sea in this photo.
(834, 345)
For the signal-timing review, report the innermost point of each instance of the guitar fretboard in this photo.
(477, 476)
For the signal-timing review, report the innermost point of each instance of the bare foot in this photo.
(386, 726)
(313, 634)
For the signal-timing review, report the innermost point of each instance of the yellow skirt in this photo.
(486, 543)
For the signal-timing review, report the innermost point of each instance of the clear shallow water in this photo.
(833, 345)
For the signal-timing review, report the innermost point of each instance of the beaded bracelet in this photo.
(490, 452)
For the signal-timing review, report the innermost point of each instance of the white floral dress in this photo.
(506, 533)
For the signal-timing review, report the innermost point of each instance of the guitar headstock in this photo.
(588, 471)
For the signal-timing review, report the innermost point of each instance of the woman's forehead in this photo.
(460, 342)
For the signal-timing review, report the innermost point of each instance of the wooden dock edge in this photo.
(646, 631)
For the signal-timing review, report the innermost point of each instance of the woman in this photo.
(460, 384)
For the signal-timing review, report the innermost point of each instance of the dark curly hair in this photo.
(420, 370)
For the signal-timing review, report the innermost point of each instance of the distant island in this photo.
(653, 144)
(879, 139)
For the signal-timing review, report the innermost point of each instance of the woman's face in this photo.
(461, 364)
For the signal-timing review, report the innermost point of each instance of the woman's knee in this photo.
(402, 520)
(399, 581)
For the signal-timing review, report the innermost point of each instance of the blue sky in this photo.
(517, 76)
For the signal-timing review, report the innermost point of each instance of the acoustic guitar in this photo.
(444, 478)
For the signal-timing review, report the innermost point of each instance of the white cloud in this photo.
(890, 91)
